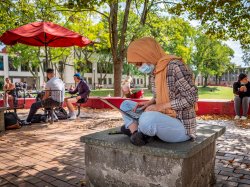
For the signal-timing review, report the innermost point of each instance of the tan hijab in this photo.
(147, 50)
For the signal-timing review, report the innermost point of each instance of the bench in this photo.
(111, 160)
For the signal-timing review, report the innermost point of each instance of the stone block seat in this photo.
(2, 124)
(111, 160)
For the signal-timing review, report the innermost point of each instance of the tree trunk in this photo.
(205, 81)
(216, 80)
(118, 52)
(117, 78)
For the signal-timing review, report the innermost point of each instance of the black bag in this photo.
(61, 113)
(11, 121)
(38, 118)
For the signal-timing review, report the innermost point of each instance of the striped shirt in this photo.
(183, 94)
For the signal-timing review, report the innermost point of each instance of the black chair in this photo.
(49, 111)
(81, 101)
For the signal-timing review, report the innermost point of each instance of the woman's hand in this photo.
(243, 89)
(142, 105)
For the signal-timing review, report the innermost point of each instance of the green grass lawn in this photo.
(216, 92)
(211, 92)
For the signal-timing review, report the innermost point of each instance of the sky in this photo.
(235, 45)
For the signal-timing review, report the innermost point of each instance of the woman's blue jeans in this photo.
(154, 123)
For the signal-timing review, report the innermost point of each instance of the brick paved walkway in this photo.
(52, 155)
(232, 167)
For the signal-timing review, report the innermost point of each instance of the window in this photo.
(110, 80)
(11, 65)
(1, 63)
(24, 67)
(89, 80)
(105, 81)
(99, 81)
(138, 81)
(105, 67)
(141, 81)
(34, 69)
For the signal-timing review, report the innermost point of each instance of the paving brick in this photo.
(43, 184)
(220, 154)
(229, 184)
(25, 184)
(3, 181)
(223, 168)
(243, 181)
(247, 176)
(242, 171)
(230, 174)
(61, 183)
(32, 179)
(221, 177)
(243, 185)
(8, 185)
(225, 158)
(47, 178)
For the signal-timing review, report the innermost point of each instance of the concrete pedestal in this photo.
(111, 160)
(2, 125)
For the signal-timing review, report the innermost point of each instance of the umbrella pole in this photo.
(46, 57)
(46, 52)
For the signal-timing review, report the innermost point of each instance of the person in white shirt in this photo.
(54, 95)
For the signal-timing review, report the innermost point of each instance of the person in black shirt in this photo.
(241, 90)
(82, 89)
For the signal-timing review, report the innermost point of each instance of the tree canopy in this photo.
(114, 24)
(223, 18)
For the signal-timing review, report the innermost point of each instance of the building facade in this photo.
(227, 79)
(93, 78)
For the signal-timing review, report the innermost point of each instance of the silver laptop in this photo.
(134, 115)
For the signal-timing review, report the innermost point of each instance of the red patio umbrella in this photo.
(44, 34)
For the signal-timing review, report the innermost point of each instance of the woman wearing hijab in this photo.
(170, 114)
(241, 90)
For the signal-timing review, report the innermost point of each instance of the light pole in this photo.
(94, 77)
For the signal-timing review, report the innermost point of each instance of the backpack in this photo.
(38, 118)
(11, 121)
(61, 113)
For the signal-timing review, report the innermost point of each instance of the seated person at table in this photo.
(54, 95)
(83, 91)
(241, 90)
(8, 89)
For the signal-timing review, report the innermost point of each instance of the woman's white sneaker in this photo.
(243, 118)
(237, 117)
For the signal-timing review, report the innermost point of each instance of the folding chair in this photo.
(81, 101)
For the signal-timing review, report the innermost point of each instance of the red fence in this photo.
(205, 106)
